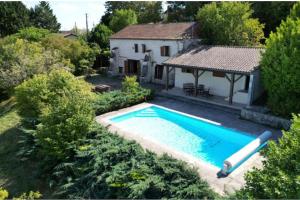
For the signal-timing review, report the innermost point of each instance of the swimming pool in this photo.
(204, 140)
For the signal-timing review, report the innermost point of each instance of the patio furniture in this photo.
(188, 88)
(101, 88)
(202, 91)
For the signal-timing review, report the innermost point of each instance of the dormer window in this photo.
(165, 50)
(136, 48)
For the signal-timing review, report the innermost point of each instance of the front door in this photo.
(132, 67)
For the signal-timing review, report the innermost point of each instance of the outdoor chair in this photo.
(202, 91)
(188, 88)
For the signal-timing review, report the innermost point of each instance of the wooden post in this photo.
(196, 72)
(231, 88)
(167, 81)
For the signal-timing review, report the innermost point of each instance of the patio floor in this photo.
(215, 100)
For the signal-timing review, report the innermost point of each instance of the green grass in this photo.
(16, 176)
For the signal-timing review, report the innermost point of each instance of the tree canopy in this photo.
(41, 16)
(229, 23)
(271, 13)
(121, 19)
(13, 16)
(183, 11)
(280, 66)
(146, 11)
(100, 34)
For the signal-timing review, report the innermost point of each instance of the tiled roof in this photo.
(168, 31)
(219, 58)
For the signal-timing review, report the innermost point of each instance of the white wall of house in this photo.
(218, 86)
(126, 51)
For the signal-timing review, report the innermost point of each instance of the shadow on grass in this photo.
(18, 176)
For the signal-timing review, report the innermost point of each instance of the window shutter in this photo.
(162, 52)
(126, 66)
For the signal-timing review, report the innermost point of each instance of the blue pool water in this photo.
(201, 139)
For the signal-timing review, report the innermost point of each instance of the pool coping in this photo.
(207, 171)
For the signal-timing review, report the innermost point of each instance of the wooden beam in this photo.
(167, 81)
(196, 75)
(235, 80)
(231, 88)
(201, 73)
(226, 76)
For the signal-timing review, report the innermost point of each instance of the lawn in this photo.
(15, 175)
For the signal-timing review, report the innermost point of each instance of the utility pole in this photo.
(86, 25)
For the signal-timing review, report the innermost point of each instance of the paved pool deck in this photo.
(223, 185)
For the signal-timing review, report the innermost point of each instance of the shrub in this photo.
(32, 34)
(130, 94)
(279, 178)
(63, 106)
(3, 194)
(130, 84)
(110, 167)
(81, 55)
(20, 60)
(115, 100)
(280, 67)
(29, 196)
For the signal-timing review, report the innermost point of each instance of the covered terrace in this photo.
(228, 74)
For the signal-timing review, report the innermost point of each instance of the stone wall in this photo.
(265, 119)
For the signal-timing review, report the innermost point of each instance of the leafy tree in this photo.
(280, 67)
(13, 16)
(63, 106)
(229, 23)
(279, 178)
(121, 19)
(32, 34)
(146, 11)
(81, 55)
(42, 16)
(100, 35)
(20, 60)
(183, 11)
(150, 11)
(271, 13)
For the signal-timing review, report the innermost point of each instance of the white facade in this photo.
(125, 50)
(220, 86)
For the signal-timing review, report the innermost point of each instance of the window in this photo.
(247, 83)
(136, 48)
(219, 74)
(121, 70)
(185, 70)
(143, 48)
(159, 69)
(165, 51)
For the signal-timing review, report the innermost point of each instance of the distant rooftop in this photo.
(219, 58)
(169, 31)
